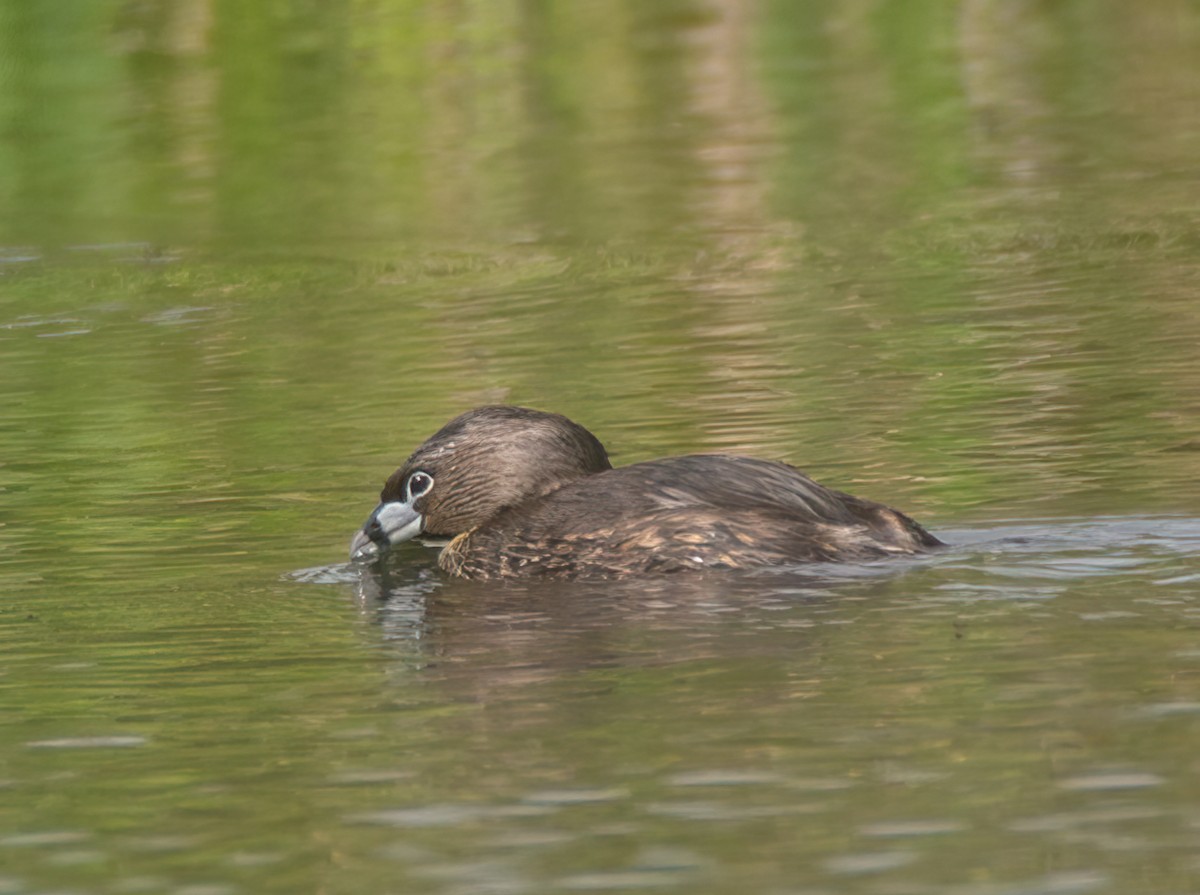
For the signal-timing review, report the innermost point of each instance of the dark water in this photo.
(941, 255)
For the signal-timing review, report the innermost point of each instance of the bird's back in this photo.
(693, 512)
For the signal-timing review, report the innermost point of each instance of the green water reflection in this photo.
(345, 128)
(941, 254)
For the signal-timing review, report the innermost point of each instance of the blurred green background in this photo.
(281, 242)
(942, 254)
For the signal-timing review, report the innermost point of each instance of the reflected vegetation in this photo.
(941, 254)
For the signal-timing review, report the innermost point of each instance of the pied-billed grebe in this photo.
(524, 493)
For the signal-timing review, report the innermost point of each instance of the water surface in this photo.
(940, 255)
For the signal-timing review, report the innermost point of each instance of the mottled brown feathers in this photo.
(683, 513)
(530, 494)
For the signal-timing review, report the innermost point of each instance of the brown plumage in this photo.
(525, 494)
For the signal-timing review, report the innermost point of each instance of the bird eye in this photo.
(418, 485)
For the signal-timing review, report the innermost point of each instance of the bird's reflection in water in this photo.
(500, 634)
